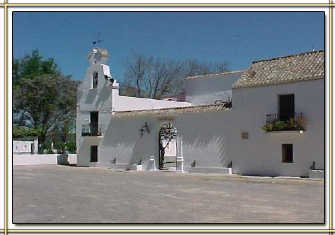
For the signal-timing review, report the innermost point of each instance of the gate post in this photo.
(180, 158)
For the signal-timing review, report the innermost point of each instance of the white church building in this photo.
(266, 120)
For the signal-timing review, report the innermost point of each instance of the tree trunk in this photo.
(138, 87)
(41, 140)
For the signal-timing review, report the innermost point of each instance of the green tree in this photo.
(46, 103)
(31, 66)
(22, 131)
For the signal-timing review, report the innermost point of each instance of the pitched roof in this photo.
(171, 111)
(212, 75)
(292, 68)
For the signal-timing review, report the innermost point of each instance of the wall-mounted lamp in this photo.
(141, 131)
(144, 128)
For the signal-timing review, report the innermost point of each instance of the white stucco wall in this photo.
(105, 99)
(208, 138)
(207, 144)
(123, 142)
(261, 154)
(84, 150)
(214, 139)
(40, 159)
(98, 99)
(208, 89)
(24, 146)
(170, 147)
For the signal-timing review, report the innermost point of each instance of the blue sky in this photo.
(236, 37)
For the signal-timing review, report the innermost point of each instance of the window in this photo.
(94, 117)
(95, 80)
(94, 153)
(94, 123)
(286, 107)
(287, 153)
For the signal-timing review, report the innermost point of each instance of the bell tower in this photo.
(96, 100)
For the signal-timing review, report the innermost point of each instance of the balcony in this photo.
(91, 129)
(274, 123)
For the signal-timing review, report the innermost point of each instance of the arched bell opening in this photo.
(95, 77)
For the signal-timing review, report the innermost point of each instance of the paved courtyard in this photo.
(62, 194)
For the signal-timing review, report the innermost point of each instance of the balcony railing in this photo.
(91, 129)
(273, 122)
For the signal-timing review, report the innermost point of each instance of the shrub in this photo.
(22, 131)
(71, 147)
(291, 124)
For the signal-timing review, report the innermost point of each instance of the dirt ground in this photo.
(63, 194)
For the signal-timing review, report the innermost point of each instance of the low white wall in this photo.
(72, 159)
(125, 103)
(36, 159)
(40, 159)
(24, 146)
(317, 174)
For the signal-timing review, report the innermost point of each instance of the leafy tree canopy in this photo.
(31, 66)
(44, 100)
(23, 131)
(46, 103)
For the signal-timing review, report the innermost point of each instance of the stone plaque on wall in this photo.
(245, 135)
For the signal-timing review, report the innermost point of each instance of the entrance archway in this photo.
(168, 147)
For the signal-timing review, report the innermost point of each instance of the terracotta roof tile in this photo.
(212, 75)
(168, 111)
(293, 68)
